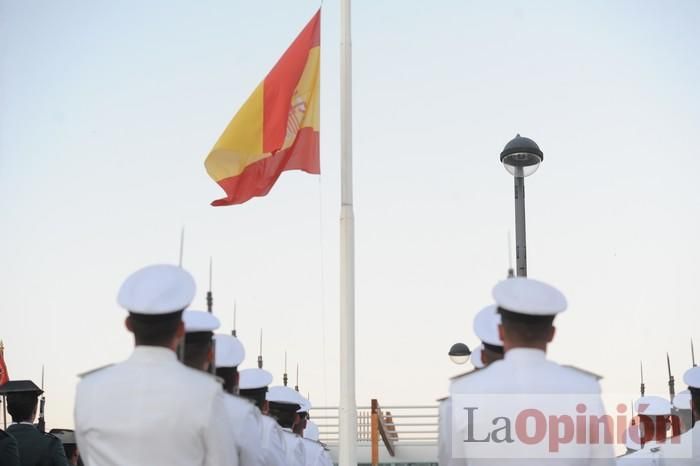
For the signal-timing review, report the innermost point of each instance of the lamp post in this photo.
(459, 353)
(521, 157)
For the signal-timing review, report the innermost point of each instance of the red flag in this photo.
(4, 377)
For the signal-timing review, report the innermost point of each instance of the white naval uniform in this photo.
(445, 424)
(245, 418)
(527, 371)
(151, 410)
(295, 448)
(684, 453)
(274, 445)
(650, 455)
(316, 454)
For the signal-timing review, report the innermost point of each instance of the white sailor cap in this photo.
(252, 379)
(475, 358)
(229, 351)
(486, 325)
(652, 405)
(312, 431)
(692, 377)
(157, 289)
(305, 404)
(199, 321)
(284, 395)
(530, 297)
(682, 400)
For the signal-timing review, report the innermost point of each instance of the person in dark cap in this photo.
(70, 446)
(35, 448)
(9, 454)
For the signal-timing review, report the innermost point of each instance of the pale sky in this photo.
(108, 109)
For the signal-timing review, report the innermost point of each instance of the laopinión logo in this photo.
(560, 426)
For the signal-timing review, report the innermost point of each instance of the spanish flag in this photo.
(276, 129)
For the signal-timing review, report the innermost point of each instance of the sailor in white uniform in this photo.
(151, 409)
(284, 406)
(686, 451)
(200, 354)
(527, 308)
(485, 327)
(253, 385)
(681, 402)
(316, 452)
(230, 353)
(654, 413)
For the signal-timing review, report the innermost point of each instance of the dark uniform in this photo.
(37, 449)
(9, 455)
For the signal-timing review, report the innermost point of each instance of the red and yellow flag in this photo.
(276, 129)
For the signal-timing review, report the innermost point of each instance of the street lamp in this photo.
(521, 157)
(459, 353)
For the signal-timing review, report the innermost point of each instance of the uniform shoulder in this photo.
(85, 374)
(584, 372)
(463, 374)
(204, 379)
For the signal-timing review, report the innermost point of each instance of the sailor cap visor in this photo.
(200, 321)
(530, 297)
(486, 325)
(157, 289)
(229, 351)
(20, 386)
(653, 406)
(253, 379)
(692, 377)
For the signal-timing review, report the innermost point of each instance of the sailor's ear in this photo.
(500, 332)
(552, 332)
(127, 323)
(180, 333)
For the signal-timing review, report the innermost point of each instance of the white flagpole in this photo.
(347, 455)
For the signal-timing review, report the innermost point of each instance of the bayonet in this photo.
(210, 297)
(233, 332)
(284, 377)
(692, 352)
(641, 373)
(671, 380)
(41, 424)
(260, 360)
(296, 387)
(182, 244)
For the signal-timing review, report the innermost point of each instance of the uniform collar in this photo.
(525, 355)
(143, 353)
(23, 423)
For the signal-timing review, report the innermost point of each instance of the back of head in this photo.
(522, 330)
(155, 330)
(198, 350)
(527, 308)
(22, 406)
(285, 414)
(155, 296)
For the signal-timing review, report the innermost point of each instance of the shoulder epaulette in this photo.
(583, 371)
(463, 374)
(92, 371)
(443, 398)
